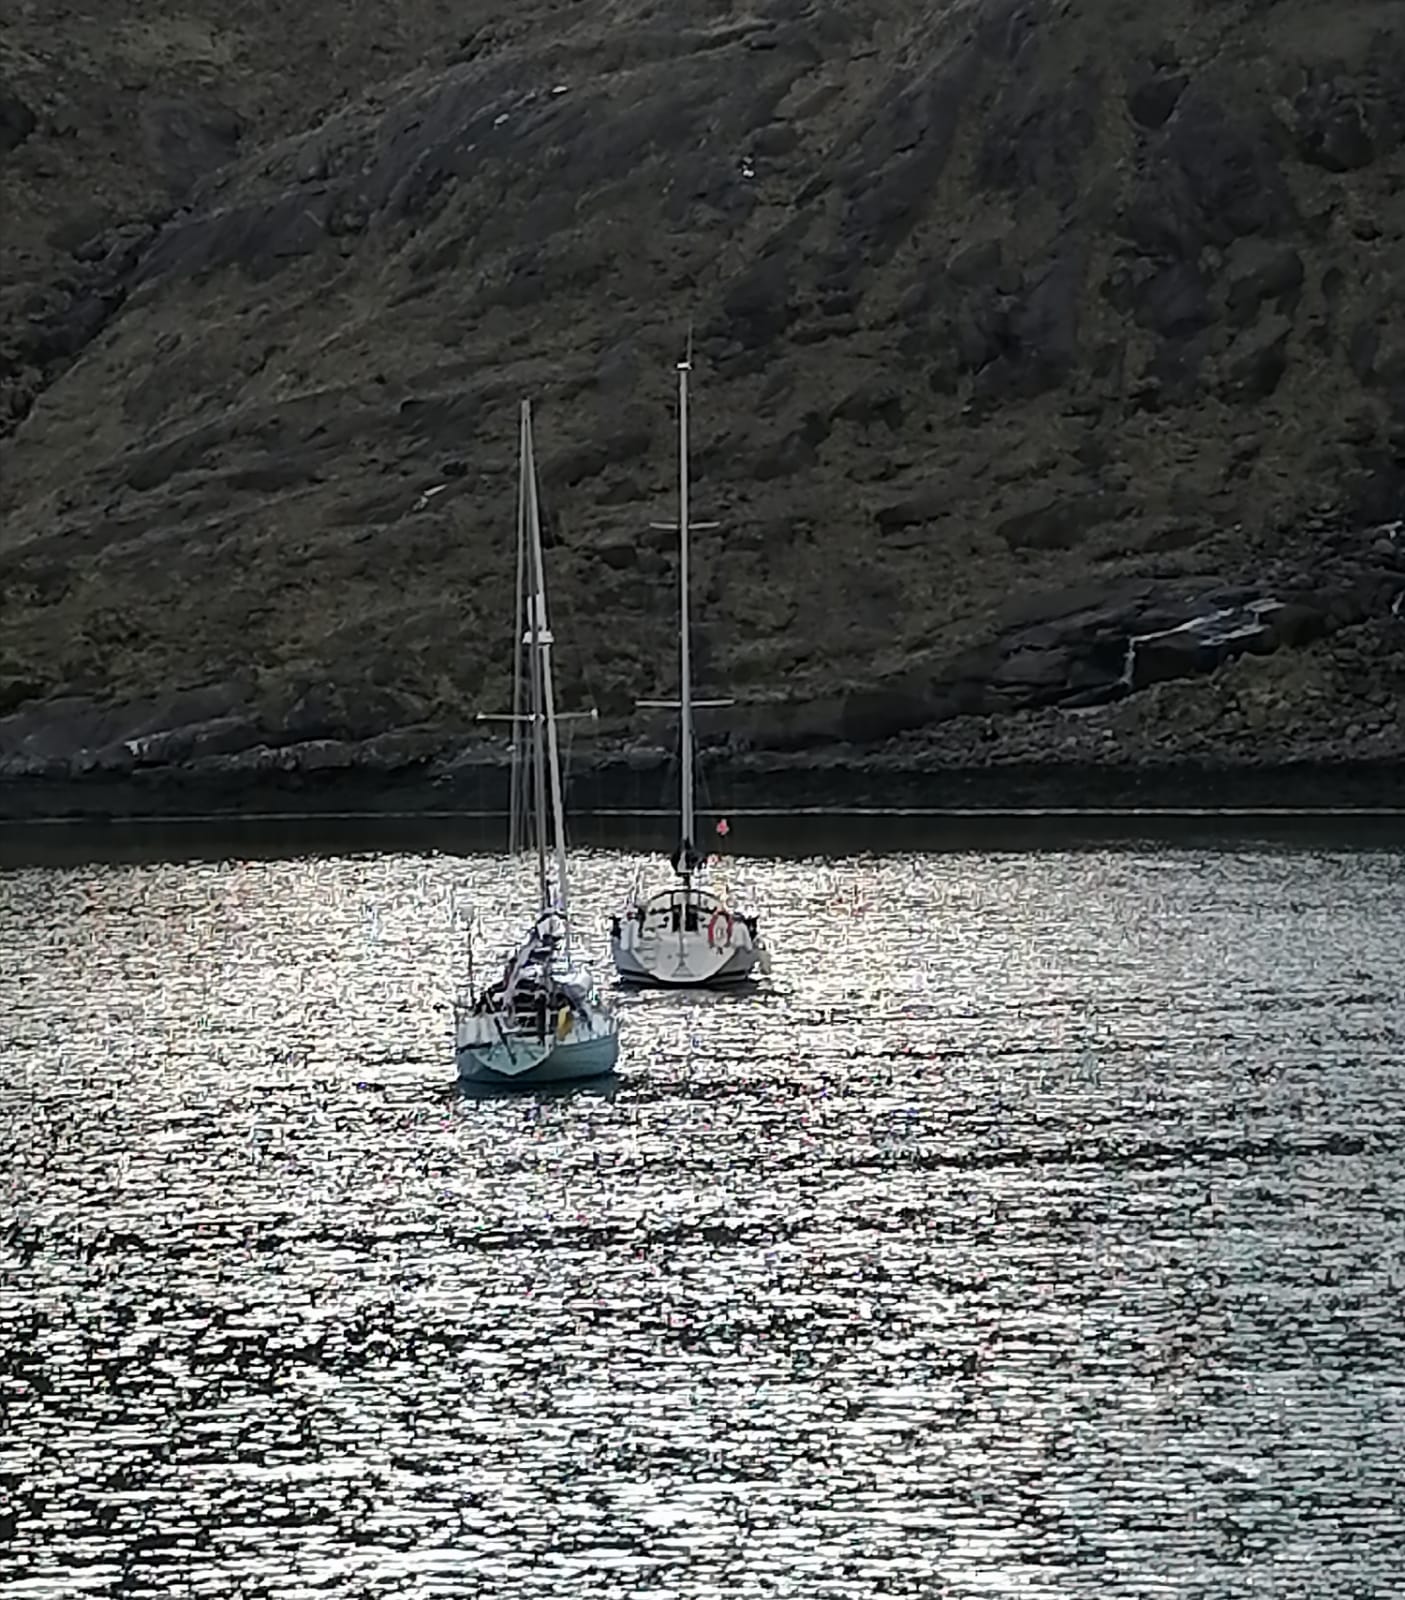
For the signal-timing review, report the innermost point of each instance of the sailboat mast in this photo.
(516, 786)
(685, 662)
(548, 703)
(536, 626)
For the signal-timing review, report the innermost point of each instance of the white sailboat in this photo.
(542, 1021)
(685, 936)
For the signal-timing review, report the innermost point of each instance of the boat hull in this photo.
(566, 1062)
(663, 965)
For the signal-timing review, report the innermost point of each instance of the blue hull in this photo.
(564, 1063)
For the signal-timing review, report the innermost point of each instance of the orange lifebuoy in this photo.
(719, 916)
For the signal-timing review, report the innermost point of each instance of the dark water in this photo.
(1038, 1232)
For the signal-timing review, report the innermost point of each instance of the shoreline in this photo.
(776, 788)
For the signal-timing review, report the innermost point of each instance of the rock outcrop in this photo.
(1051, 368)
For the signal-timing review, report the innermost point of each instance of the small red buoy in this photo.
(723, 827)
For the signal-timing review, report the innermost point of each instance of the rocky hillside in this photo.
(1050, 372)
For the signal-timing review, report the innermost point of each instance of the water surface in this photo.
(1036, 1232)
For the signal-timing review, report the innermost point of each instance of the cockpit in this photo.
(678, 910)
(683, 910)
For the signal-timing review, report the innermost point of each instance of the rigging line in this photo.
(576, 651)
(566, 761)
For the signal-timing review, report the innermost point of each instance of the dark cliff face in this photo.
(1026, 330)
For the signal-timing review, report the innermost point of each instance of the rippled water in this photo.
(1039, 1231)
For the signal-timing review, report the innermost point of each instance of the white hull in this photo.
(683, 961)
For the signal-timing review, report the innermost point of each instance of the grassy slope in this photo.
(228, 473)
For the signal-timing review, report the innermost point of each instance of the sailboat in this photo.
(685, 936)
(543, 1020)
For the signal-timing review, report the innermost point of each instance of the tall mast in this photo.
(685, 663)
(685, 703)
(543, 641)
(536, 629)
(516, 784)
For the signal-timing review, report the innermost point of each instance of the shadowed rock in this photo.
(17, 121)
